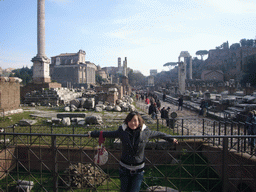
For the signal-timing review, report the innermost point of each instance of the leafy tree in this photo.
(202, 53)
(136, 78)
(24, 73)
(250, 72)
(235, 46)
(243, 42)
(249, 42)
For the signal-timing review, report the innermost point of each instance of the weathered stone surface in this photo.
(67, 108)
(73, 108)
(56, 120)
(23, 185)
(96, 119)
(84, 176)
(81, 123)
(131, 107)
(66, 121)
(75, 102)
(161, 189)
(26, 122)
(77, 119)
(89, 103)
(119, 101)
(117, 108)
(98, 109)
(71, 115)
(109, 108)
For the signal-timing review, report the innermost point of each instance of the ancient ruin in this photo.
(9, 95)
(182, 73)
(71, 70)
(41, 72)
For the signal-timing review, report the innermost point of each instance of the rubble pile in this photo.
(83, 176)
(53, 97)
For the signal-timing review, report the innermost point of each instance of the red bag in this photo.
(101, 157)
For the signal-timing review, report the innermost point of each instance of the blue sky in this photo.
(149, 33)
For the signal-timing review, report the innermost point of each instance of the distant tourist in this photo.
(164, 97)
(152, 110)
(158, 104)
(204, 108)
(180, 100)
(147, 101)
(165, 114)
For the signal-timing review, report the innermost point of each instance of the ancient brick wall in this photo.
(9, 93)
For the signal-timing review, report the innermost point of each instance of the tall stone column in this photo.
(41, 72)
(190, 68)
(182, 77)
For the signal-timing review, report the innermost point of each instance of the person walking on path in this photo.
(158, 104)
(204, 108)
(180, 100)
(134, 135)
(152, 110)
(164, 97)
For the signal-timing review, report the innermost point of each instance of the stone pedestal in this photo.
(41, 73)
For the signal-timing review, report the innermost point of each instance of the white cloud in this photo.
(233, 6)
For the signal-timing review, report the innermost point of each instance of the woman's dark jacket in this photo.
(133, 142)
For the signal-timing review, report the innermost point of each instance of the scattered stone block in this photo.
(84, 176)
(161, 189)
(117, 108)
(71, 115)
(109, 108)
(67, 108)
(27, 122)
(23, 185)
(56, 120)
(66, 121)
(98, 109)
(96, 119)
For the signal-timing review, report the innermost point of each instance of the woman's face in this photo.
(134, 123)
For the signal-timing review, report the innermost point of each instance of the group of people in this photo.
(165, 114)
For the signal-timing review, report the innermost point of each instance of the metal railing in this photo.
(197, 163)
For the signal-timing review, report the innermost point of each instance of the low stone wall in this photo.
(9, 93)
(7, 162)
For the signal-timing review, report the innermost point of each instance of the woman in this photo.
(134, 135)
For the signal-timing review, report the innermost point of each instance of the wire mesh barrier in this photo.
(64, 162)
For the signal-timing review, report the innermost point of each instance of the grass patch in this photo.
(12, 119)
(192, 174)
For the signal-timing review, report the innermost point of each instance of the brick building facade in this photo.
(9, 93)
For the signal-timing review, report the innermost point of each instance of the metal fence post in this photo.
(54, 163)
(225, 165)
(203, 128)
(213, 140)
(231, 142)
(182, 131)
(219, 131)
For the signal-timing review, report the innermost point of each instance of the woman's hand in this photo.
(175, 141)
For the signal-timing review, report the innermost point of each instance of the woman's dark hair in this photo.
(131, 115)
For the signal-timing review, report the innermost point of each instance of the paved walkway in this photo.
(192, 121)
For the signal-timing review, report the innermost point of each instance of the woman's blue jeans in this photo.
(130, 181)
